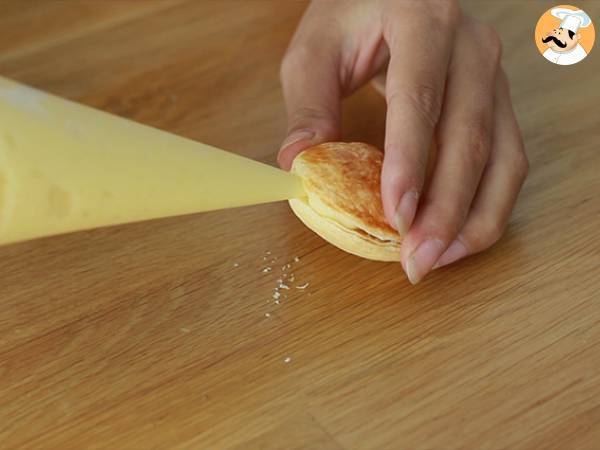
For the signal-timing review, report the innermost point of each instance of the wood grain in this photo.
(148, 336)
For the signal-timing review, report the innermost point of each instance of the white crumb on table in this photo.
(236, 265)
(302, 286)
(267, 314)
(287, 359)
(267, 269)
(296, 259)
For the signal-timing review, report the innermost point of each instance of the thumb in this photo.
(312, 94)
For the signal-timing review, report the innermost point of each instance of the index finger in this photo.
(419, 56)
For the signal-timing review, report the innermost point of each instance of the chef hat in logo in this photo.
(571, 20)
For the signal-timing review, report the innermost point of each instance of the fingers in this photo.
(312, 96)
(414, 92)
(464, 139)
(311, 88)
(500, 184)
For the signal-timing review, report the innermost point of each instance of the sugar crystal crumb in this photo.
(302, 286)
(283, 286)
(266, 270)
(278, 302)
(296, 259)
(267, 314)
(287, 359)
(276, 295)
(236, 265)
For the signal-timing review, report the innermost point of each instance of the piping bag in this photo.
(67, 167)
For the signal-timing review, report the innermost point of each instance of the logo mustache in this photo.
(556, 41)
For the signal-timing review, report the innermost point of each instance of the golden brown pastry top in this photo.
(343, 180)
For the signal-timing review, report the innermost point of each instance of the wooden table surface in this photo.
(148, 336)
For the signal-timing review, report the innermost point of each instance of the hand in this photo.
(443, 75)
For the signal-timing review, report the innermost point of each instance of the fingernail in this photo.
(296, 136)
(456, 251)
(405, 212)
(422, 259)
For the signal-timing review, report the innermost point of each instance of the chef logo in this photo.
(564, 35)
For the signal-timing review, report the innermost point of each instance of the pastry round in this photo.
(343, 203)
